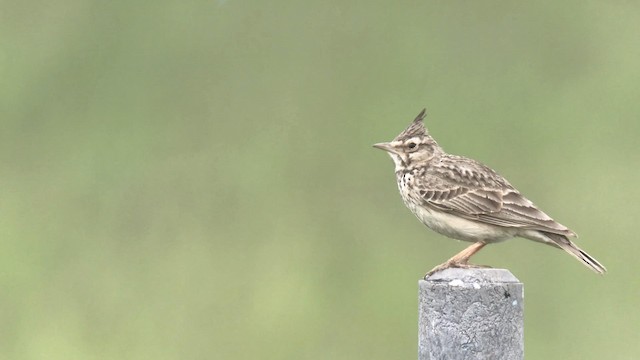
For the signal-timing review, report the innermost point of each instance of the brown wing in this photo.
(471, 190)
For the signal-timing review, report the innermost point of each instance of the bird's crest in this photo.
(416, 128)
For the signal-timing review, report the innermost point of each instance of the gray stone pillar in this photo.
(471, 314)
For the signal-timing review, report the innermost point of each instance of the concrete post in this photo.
(471, 314)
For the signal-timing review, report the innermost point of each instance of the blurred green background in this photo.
(195, 179)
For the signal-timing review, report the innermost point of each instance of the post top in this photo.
(468, 277)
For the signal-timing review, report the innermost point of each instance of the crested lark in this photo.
(466, 200)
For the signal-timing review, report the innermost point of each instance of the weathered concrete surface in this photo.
(471, 314)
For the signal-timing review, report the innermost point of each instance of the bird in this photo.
(464, 199)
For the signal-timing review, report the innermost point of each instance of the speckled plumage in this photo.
(463, 199)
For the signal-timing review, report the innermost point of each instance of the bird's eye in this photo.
(412, 145)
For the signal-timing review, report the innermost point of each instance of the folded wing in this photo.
(478, 193)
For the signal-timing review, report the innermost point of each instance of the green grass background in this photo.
(195, 179)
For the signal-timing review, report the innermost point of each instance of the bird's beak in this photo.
(386, 147)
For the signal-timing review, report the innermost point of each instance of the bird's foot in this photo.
(452, 264)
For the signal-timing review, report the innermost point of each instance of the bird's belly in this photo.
(459, 228)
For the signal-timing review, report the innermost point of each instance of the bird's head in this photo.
(414, 146)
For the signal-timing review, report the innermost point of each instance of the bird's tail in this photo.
(565, 244)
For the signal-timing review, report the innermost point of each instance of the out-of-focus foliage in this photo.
(194, 180)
